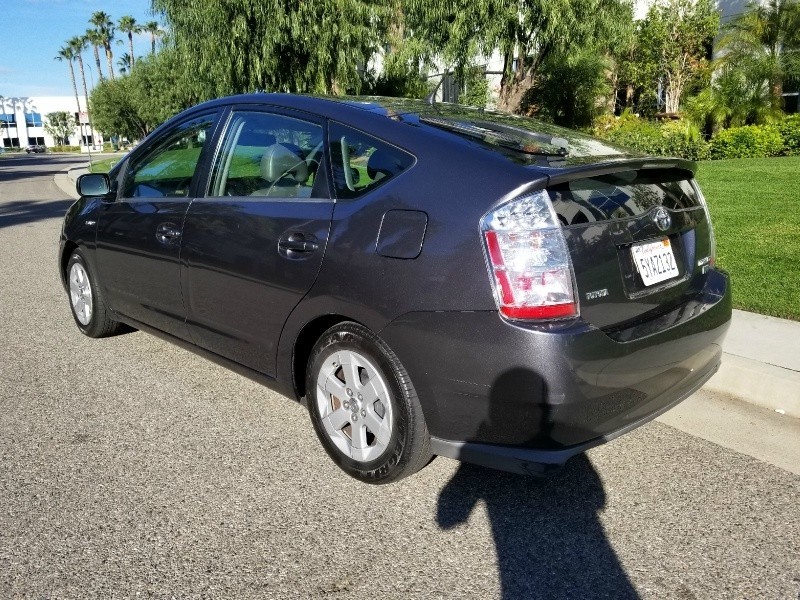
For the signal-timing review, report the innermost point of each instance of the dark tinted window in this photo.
(361, 162)
(166, 170)
(621, 195)
(268, 155)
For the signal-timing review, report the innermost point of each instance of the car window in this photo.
(268, 155)
(167, 170)
(362, 162)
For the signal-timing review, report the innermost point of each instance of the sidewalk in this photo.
(760, 360)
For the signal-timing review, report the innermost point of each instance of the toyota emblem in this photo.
(662, 219)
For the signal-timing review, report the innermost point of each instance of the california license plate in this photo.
(655, 261)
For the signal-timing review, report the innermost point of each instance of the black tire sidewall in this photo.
(390, 465)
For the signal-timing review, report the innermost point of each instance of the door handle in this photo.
(167, 233)
(297, 242)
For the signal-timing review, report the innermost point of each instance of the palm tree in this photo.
(128, 25)
(124, 63)
(105, 27)
(78, 45)
(155, 32)
(68, 54)
(765, 41)
(96, 40)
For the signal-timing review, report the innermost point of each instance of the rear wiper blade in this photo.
(502, 135)
(560, 143)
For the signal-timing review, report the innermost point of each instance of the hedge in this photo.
(750, 141)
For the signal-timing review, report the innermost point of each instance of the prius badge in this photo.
(662, 219)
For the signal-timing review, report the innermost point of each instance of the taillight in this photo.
(529, 261)
(713, 241)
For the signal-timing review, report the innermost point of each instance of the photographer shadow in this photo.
(548, 537)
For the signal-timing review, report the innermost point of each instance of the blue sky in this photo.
(34, 30)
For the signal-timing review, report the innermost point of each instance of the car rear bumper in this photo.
(494, 392)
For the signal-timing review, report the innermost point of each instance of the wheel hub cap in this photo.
(80, 293)
(354, 403)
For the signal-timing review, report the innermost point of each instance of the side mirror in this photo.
(93, 184)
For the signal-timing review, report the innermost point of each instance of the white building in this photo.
(23, 118)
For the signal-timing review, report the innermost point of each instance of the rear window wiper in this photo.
(502, 135)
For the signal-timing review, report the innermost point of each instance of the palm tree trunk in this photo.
(97, 61)
(86, 97)
(75, 90)
(152, 43)
(130, 43)
(110, 60)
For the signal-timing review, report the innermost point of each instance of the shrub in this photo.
(673, 138)
(790, 132)
(750, 141)
(64, 148)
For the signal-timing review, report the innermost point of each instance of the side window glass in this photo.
(362, 162)
(268, 156)
(167, 170)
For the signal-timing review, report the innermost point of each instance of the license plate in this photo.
(655, 261)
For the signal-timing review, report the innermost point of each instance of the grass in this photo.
(755, 207)
(104, 165)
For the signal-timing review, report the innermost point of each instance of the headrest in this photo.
(283, 160)
(248, 137)
(383, 163)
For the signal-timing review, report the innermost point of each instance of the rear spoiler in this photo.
(616, 165)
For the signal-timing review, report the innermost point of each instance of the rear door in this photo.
(138, 235)
(640, 241)
(252, 247)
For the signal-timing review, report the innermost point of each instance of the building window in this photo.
(39, 141)
(33, 119)
(7, 121)
(10, 142)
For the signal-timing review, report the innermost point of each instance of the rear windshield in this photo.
(622, 195)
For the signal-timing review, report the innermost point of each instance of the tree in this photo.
(95, 38)
(133, 105)
(526, 32)
(105, 29)
(128, 25)
(78, 45)
(125, 63)
(764, 41)
(573, 86)
(60, 125)
(155, 31)
(66, 53)
(668, 52)
(250, 45)
(676, 36)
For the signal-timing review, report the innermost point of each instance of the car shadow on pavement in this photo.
(548, 537)
(20, 212)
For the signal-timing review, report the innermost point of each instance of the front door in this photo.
(139, 235)
(252, 247)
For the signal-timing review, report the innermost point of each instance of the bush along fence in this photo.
(683, 139)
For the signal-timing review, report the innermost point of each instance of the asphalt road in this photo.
(132, 468)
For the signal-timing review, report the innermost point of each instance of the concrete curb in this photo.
(755, 382)
(761, 363)
(65, 180)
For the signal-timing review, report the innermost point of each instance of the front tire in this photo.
(363, 406)
(86, 301)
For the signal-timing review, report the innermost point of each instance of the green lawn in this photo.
(755, 206)
(104, 165)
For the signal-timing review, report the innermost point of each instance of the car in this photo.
(428, 279)
(35, 148)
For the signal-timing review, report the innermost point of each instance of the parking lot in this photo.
(131, 467)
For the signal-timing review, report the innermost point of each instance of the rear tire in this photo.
(86, 300)
(363, 406)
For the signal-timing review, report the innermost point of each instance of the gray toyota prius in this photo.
(429, 279)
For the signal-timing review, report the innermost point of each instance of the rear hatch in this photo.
(639, 238)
